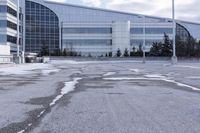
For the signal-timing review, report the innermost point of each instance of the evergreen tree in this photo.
(139, 52)
(89, 55)
(64, 52)
(119, 53)
(156, 49)
(180, 47)
(198, 49)
(167, 46)
(126, 54)
(110, 54)
(132, 53)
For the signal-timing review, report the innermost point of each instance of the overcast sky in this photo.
(185, 9)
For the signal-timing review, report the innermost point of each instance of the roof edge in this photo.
(115, 11)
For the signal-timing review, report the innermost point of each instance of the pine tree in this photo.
(110, 54)
(156, 49)
(167, 46)
(132, 53)
(119, 53)
(64, 52)
(126, 54)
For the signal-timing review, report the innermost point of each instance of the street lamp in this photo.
(18, 56)
(18, 36)
(174, 57)
(144, 39)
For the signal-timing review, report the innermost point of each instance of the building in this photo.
(8, 26)
(85, 30)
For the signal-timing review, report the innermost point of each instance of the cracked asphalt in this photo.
(139, 101)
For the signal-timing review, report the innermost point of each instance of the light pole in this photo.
(18, 55)
(144, 39)
(174, 57)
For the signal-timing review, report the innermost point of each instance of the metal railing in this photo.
(5, 59)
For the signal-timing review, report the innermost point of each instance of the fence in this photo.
(4, 59)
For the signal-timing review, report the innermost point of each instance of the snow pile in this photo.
(22, 131)
(154, 76)
(23, 69)
(69, 86)
(135, 70)
(109, 74)
(91, 62)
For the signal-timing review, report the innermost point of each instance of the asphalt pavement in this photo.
(109, 97)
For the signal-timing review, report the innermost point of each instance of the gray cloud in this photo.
(185, 10)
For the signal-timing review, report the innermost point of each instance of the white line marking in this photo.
(158, 79)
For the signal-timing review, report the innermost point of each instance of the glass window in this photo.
(11, 25)
(88, 42)
(159, 30)
(136, 30)
(11, 39)
(3, 8)
(182, 32)
(2, 38)
(87, 30)
(11, 11)
(3, 23)
(42, 27)
(151, 30)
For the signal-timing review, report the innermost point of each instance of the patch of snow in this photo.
(154, 76)
(22, 131)
(41, 113)
(23, 69)
(135, 70)
(109, 74)
(182, 84)
(127, 78)
(48, 71)
(91, 62)
(153, 79)
(64, 62)
(69, 86)
(186, 66)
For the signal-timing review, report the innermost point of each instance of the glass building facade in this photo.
(60, 26)
(151, 30)
(182, 32)
(42, 28)
(5, 23)
(7, 9)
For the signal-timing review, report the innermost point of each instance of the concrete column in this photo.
(120, 36)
